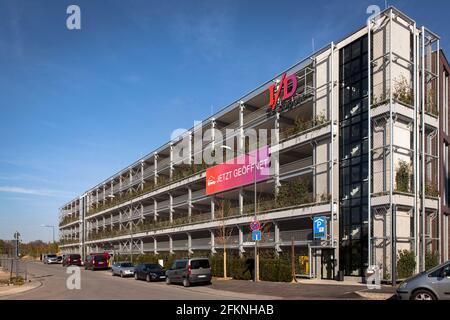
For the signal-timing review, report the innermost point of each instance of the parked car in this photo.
(96, 261)
(187, 271)
(122, 269)
(428, 285)
(71, 260)
(50, 259)
(149, 272)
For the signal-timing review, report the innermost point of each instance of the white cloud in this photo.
(36, 192)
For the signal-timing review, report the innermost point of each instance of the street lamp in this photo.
(255, 157)
(53, 230)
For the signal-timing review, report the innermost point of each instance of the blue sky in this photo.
(77, 106)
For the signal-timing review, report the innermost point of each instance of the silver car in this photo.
(123, 269)
(428, 285)
(50, 259)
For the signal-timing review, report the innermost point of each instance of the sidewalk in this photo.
(306, 289)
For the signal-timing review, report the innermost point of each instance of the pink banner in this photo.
(238, 171)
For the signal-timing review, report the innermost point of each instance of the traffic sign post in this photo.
(256, 235)
(255, 225)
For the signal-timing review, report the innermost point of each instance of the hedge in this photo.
(270, 268)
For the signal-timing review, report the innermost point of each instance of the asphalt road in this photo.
(102, 285)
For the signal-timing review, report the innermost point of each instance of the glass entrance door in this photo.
(328, 264)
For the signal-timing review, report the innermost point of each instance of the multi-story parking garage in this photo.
(357, 132)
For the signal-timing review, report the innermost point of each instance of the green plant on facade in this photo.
(431, 189)
(149, 186)
(431, 259)
(379, 100)
(403, 91)
(68, 219)
(406, 264)
(294, 192)
(431, 105)
(301, 125)
(403, 177)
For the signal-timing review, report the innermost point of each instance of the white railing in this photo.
(297, 235)
(198, 194)
(163, 164)
(149, 171)
(149, 246)
(163, 204)
(180, 199)
(201, 242)
(179, 244)
(148, 209)
(163, 245)
(296, 165)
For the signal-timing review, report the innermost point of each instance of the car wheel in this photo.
(136, 276)
(121, 274)
(167, 280)
(148, 278)
(423, 295)
(186, 283)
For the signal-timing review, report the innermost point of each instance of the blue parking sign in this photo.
(256, 235)
(320, 227)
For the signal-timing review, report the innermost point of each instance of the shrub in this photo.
(294, 192)
(402, 177)
(431, 189)
(403, 91)
(406, 264)
(431, 259)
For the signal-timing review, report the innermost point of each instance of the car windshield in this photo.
(99, 258)
(126, 265)
(51, 256)
(197, 264)
(153, 266)
(75, 256)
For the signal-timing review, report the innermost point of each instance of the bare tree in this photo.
(223, 233)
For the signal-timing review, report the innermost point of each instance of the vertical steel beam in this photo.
(391, 160)
(189, 204)
(331, 152)
(170, 207)
(415, 148)
(171, 162)
(213, 244)
(424, 72)
(155, 172)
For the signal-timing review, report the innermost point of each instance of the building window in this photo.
(445, 98)
(353, 154)
(446, 197)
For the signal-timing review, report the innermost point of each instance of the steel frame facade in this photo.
(312, 153)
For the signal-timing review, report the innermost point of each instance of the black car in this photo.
(149, 272)
(71, 260)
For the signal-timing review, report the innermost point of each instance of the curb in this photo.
(374, 295)
(22, 289)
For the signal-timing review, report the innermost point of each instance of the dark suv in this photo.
(71, 260)
(187, 271)
(149, 272)
(96, 261)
